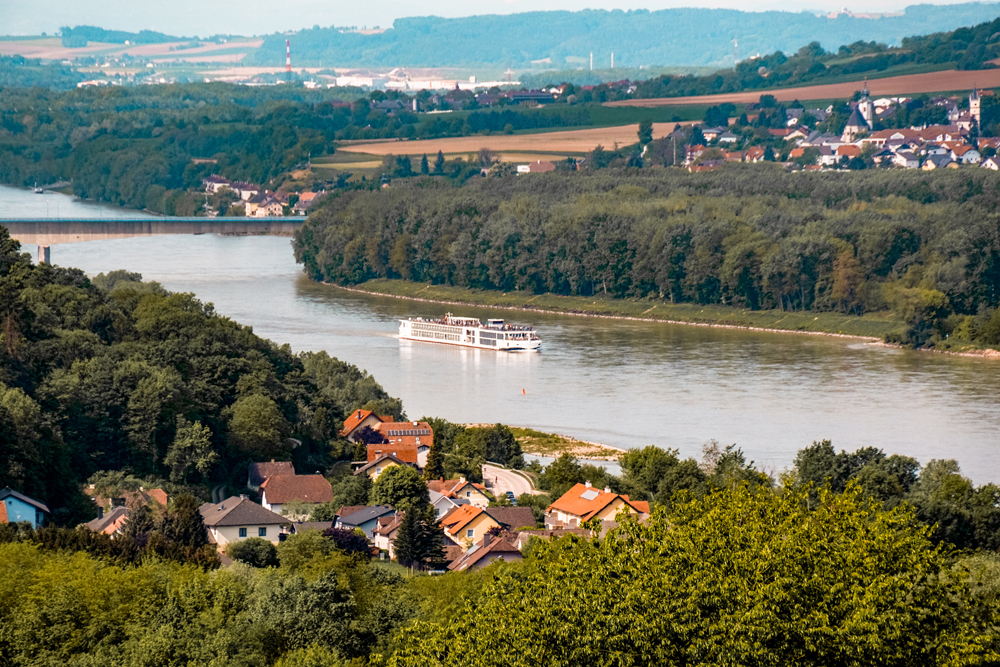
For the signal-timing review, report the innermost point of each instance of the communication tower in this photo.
(288, 57)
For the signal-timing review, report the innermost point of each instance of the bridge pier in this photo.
(44, 256)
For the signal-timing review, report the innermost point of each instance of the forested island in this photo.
(924, 248)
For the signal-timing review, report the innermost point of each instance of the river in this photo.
(627, 384)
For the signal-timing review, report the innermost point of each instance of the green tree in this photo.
(645, 132)
(254, 551)
(400, 487)
(191, 451)
(424, 166)
(439, 163)
(257, 427)
(742, 576)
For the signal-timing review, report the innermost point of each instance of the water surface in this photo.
(624, 383)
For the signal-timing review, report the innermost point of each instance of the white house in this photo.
(906, 160)
(991, 163)
(305, 490)
(238, 518)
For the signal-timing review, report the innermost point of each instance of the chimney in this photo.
(272, 460)
(607, 489)
(100, 512)
(243, 496)
(461, 480)
(587, 483)
(486, 540)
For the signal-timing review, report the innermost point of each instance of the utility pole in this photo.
(591, 61)
(612, 60)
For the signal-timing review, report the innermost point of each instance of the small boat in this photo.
(470, 332)
(38, 190)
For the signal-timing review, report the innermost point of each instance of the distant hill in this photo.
(701, 37)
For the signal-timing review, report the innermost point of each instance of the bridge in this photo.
(45, 232)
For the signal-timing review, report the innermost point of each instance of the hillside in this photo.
(640, 37)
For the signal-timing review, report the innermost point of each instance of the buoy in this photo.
(524, 392)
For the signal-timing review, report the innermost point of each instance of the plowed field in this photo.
(910, 84)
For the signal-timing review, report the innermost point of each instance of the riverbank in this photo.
(869, 327)
(553, 445)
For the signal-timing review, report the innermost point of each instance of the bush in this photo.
(255, 552)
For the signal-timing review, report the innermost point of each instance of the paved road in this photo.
(501, 480)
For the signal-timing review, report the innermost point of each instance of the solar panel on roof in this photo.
(590, 495)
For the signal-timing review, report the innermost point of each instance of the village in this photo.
(479, 523)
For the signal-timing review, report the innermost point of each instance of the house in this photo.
(584, 502)
(263, 205)
(384, 535)
(935, 149)
(467, 524)
(245, 190)
(214, 184)
(906, 160)
(939, 162)
(488, 551)
(474, 494)
(16, 507)
(407, 441)
(443, 504)
(305, 201)
(728, 137)
(375, 468)
(238, 518)
(707, 165)
(966, 155)
(754, 154)
(110, 523)
(366, 519)
(140, 497)
(712, 133)
(281, 490)
(848, 151)
(512, 518)
(991, 163)
(537, 167)
(258, 472)
(358, 421)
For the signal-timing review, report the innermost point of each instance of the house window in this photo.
(243, 532)
(468, 494)
(262, 532)
(470, 532)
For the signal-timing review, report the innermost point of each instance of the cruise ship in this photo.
(470, 332)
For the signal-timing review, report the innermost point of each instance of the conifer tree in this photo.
(439, 163)
(424, 166)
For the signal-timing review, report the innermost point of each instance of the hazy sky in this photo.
(248, 17)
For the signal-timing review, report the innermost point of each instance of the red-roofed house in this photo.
(754, 154)
(584, 502)
(309, 490)
(467, 524)
(408, 441)
(258, 472)
(359, 419)
(848, 150)
(482, 554)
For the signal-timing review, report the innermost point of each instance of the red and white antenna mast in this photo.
(288, 57)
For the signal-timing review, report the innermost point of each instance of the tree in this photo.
(184, 524)
(439, 163)
(424, 166)
(742, 576)
(191, 450)
(401, 487)
(254, 551)
(257, 427)
(348, 541)
(486, 157)
(645, 132)
(419, 541)
(434, 469)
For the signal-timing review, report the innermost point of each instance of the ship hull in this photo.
(499, 340)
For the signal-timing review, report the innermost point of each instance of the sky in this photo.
(259, 17)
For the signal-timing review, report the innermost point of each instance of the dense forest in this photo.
(119, 375)
(21, 72)
(135, 147)
(924, 246)
(637, 37)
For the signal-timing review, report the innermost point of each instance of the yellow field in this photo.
(563, 142)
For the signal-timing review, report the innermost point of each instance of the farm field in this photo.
(562, 142)
(910, 84)
(51, 48)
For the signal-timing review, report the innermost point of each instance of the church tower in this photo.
(865, 106)
(975, 110)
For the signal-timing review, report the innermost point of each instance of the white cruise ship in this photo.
(470, 332)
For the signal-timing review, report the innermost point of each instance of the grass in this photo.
(876, 325)
(551, 444)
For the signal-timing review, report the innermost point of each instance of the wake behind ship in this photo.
(470, 332)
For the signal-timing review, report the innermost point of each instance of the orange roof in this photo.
(586, 501)
(849, 150)
(460, 517)
(354, 420)
(641, 505)
(797, 152)
(304, 488)
(961, 150)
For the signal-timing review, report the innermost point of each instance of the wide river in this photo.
(627, 384)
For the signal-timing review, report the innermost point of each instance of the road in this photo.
(501, 480)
